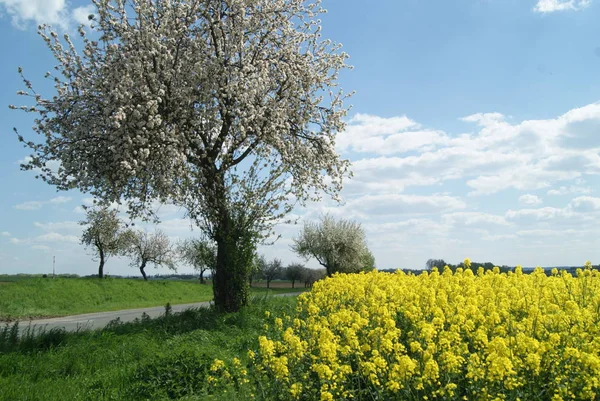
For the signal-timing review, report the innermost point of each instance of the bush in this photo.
(171, 376)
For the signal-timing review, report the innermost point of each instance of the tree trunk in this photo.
(201, 276)
(142, 267)
(293, 281)
(230, 281)
(268, 283)
(101, 267)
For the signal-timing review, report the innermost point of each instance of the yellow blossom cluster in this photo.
(439, 335)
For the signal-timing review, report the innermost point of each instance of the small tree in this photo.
(200, 253)
(294, 272)
(310, 276)
(105, 235)
(439, 263)
(144, 248)
(338, 245)
(271, 270)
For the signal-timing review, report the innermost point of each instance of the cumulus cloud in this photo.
(478, 219)
(585, 204)
(498, 155)
(56, 237)
(80, 14)
(372, 134)
(31, 205)
(5, 234)
(529, 199)
(24, 13)
(573, 189)
(36, 205)
(549, 6)
(69, 226)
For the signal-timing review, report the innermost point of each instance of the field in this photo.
(482, 336)
(31, 297)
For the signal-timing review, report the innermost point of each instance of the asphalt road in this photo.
(94, 321)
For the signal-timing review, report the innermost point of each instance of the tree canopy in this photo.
(338, 245)
(105, 234)
(144, 247)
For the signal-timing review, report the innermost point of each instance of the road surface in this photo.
(94, 321)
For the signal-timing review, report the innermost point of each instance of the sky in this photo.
(474, 132)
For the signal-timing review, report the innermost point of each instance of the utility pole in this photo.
(53, 266)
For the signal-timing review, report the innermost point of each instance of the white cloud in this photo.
(80, 14)
(399, 204)
(563, 190)
(60, 199)
(371, 134)
(499, 155)
(31, 205)
(44, 248)
(585, 204)
(70, 226)
(22, 12)
(549, 6)
(529, 199)
(5, 234)
(545, 233)
(56, 237)
(36, 205)
(474, 219)
(550, 215)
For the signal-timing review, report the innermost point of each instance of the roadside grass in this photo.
(36, 297)
(45, 297)
(151, 359)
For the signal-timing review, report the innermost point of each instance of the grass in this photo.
(157, 359)
(35, 297)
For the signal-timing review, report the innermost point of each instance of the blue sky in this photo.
(474, 132)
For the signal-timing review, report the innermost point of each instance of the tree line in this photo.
(338, 245)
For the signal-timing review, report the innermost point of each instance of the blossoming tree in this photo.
(105, 235)
(228, 108)
(338, 245)
(144, 247)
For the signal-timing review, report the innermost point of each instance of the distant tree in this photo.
(338, 245)
(368, 261)
(105, 234)
(254, 270)
(200, 253)
(439, 263)
(271, 270)
(311, 276)
(143, 248)
(294, 272)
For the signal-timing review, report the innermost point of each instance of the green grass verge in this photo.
(153, 359)
(35, 297)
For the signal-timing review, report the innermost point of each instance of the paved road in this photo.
(98, 320)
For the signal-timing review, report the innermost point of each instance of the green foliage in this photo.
(294, 272)
(368, 261)
(172, 376)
